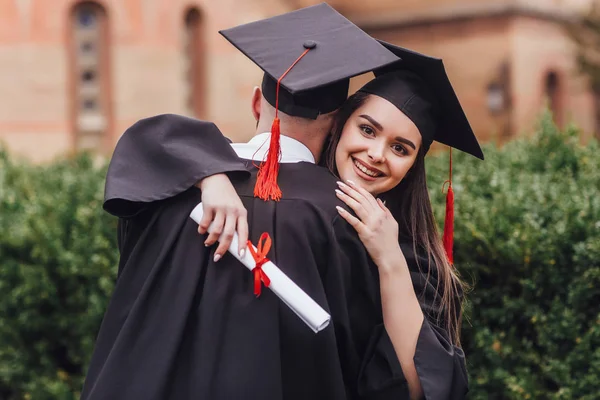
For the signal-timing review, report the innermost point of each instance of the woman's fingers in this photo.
(384, 208)
(351, 191)
(355, 200)
(352, 220)
(364, 193)
(223, 227)
(216, 229)
(226, 236)
(242, 231)
(207, 218)
(351, 202)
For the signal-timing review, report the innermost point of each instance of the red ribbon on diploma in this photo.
(260, 257)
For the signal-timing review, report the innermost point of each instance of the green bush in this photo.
(57, 266)
(527, 239)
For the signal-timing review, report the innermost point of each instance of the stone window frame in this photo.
(553, 88)
(88, 50)
(194, 62)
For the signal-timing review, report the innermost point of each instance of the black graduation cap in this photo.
(419, 86)
(318, 83)
(308, 57)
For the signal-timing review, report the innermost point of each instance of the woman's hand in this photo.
(224, 209)
(375, 225)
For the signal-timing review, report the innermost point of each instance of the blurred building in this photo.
(75, 74)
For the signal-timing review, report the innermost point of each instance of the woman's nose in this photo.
(375, 153)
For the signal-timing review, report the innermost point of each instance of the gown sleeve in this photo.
(162, 156)
(371, 367)
(440, 365)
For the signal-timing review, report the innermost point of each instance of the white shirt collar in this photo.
(292, 151)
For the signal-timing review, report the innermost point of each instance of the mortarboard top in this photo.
(318, 83)
(413, 73)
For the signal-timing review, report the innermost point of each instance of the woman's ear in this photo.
(256, 101)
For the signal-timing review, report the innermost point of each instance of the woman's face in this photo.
(378, 146)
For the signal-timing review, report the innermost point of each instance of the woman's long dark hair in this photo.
(410, 205)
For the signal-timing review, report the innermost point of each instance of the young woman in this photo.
(377, 149)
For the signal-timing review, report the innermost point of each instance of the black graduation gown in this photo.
(179, 326)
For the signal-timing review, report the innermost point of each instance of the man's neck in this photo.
(314, 143)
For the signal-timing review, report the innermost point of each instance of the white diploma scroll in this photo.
(295, 298)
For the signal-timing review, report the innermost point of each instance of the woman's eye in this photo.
(367, 130)
(399, 149)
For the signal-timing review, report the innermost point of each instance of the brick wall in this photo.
(147, 67)
(539, 48)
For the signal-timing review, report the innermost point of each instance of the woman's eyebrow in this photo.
(406, 141)
(372, 121)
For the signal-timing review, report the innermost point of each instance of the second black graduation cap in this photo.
(318, 83)
(419, 87)
(452, 127)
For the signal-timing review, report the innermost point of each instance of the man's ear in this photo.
(334, 120)
(256, 100)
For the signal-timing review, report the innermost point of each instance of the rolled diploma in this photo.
(295, 298)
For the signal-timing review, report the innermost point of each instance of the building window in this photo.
(193, 48)
(495, 98)
(499, 100)
(553, 96)
(89, 51)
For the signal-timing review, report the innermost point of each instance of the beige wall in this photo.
(146, 68)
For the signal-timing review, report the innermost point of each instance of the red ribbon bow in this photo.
(260, 257)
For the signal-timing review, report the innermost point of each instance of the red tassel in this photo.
(448, 238)
(266, 187)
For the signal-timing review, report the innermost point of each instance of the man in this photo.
(180, 325)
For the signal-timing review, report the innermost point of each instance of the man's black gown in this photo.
(180, 326)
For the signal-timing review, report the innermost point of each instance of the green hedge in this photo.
(57, 265)
(527, 239)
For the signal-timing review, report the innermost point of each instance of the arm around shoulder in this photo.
(162, 156)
